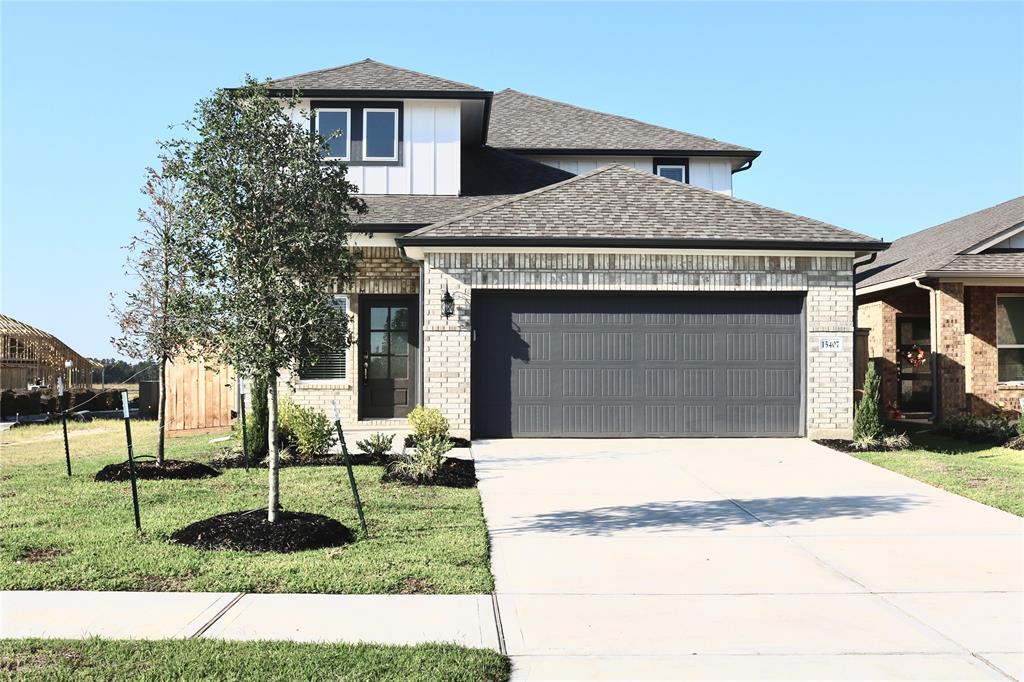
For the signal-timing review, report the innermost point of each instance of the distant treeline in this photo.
(118, 371)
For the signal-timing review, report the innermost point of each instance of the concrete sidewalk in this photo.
(385, 619)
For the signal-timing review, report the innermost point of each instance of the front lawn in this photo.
(992, 475)
(60, 533)
(202, 659)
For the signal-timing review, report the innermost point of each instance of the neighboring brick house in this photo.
(533, 268)
(945, 310)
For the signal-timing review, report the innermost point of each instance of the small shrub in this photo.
(307, 430)
(256, 420)
(867, 420)
(377, 445)
(864, 443)
(996, 428)
(423, 463)
(896, 441)
(427, 422)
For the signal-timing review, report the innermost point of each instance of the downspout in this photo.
(419, 356)
(932, 332)
(870, 259)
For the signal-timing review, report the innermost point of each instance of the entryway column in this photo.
(948, 344)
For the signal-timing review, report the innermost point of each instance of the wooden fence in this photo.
(199, 398)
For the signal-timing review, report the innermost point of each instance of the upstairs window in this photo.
(672, 172)
(331, 365)
(335, 126)
(380, 134)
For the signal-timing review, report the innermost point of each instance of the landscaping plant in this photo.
(996, 428)
(268, 222)
(377, 445)
(427, 422)
(306, 429)
(423, 463)
(867, 420)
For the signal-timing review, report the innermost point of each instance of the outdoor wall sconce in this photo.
(447, 303)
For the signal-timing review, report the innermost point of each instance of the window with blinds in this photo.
(331, 365)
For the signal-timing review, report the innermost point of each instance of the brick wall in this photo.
(826, 281)
(984, 394)
(380, 270)
(949, 346)
(879, 317)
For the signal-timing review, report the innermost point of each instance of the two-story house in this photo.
(533, 268)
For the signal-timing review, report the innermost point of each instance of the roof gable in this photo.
(618, 204)
(369, 75)
(938, 246)
(525, 122)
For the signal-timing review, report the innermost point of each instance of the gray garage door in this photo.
(597, 365)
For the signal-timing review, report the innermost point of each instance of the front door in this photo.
(388, 351)
(913, 363)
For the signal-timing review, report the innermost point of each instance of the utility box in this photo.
(149, 399)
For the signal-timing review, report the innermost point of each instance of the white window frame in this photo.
(345, 380)
(1017, 382)
(389, 110)
(348, 133)
(682, 167)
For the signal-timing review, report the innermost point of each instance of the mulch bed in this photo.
(249, 531)
(843, 445)
(238, 462)
(149, 470)
(410, 442)
(455, 473)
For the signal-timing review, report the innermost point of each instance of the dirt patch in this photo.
(249, 531)
(1015, 443)
(415, 586)
(164, 583)
(38, 555)
(455, 473)
(6, 477)
(7, 493)
(36, 661)
(149, 470)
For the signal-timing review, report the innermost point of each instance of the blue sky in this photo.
(882, 118)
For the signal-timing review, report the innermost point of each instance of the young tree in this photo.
(867, 419)
(153, 318)
(269, 221)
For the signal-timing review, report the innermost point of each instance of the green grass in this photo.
(200, 659)
(427, 539)
(991, 475)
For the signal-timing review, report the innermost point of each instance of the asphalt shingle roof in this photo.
(936, 247)
(616, 203)
(418, 209)
(527, 122)
(986, 262)
(370, 75)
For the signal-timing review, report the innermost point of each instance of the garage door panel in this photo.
(557, 364)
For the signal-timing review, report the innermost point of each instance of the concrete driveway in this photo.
(743, 559)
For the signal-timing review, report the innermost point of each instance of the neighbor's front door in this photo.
(387, 348)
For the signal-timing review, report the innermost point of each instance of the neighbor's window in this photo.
(334, 124)
(677, 173)
(1010, 337)
(327, 366)
(380, 134)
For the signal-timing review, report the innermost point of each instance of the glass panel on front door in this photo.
(913, 364)
(388, 335)
(389, 343)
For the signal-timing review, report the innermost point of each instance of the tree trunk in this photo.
(161, 412)
(272, 453)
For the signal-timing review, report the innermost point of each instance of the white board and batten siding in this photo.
(710, 173)
(431, 152)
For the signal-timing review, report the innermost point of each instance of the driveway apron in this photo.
(740, 559)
